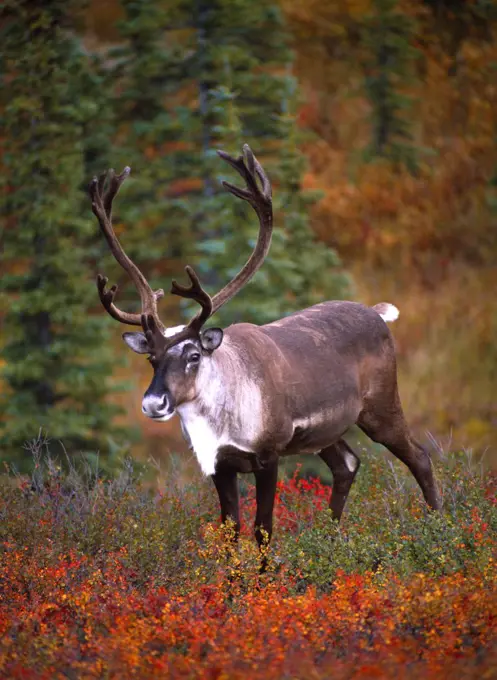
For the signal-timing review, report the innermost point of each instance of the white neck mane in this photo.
(228, 410)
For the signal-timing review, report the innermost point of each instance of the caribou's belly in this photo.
(315, 432)
(311, 440)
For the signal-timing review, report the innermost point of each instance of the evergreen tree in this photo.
(387, 35)
(222, 81)
(146, 67)
(56, 358)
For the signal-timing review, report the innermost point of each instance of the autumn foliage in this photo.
(122, 578)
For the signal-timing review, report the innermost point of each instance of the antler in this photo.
(107, 299)
(261, 200)
(197, 293)
(102, 208)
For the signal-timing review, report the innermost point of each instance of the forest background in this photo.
(376, 121)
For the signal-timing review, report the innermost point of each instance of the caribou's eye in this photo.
(194, 358)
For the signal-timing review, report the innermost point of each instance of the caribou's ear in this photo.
(137, 342)
(211, 338)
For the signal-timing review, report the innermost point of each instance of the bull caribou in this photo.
(249, 394)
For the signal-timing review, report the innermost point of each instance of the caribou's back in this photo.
(341, 327)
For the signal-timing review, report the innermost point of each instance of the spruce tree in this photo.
(387, 35)
(145, 72)
(223, 80)
(55, 354)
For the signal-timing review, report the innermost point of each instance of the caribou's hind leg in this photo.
(344, 465)
(387, 426)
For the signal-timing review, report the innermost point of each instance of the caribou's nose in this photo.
(157, 406)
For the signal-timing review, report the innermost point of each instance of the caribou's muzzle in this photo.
(158, 406)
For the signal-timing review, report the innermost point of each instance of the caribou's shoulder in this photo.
(245, 333)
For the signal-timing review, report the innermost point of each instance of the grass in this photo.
(123, 577)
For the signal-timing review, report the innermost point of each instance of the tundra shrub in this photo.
(114, 578)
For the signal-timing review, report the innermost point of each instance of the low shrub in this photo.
(114, 578)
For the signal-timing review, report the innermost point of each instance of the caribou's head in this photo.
(178, 355)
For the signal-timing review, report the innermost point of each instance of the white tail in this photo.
(387, 311)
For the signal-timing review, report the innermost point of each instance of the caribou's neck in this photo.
(227, 410)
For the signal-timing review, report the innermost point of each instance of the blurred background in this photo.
(376, 121)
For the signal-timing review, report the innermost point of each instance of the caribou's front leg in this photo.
(226, 483)
(265, 490)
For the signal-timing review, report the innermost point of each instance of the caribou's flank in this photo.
(250, 394)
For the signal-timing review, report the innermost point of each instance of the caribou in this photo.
(250, 394)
